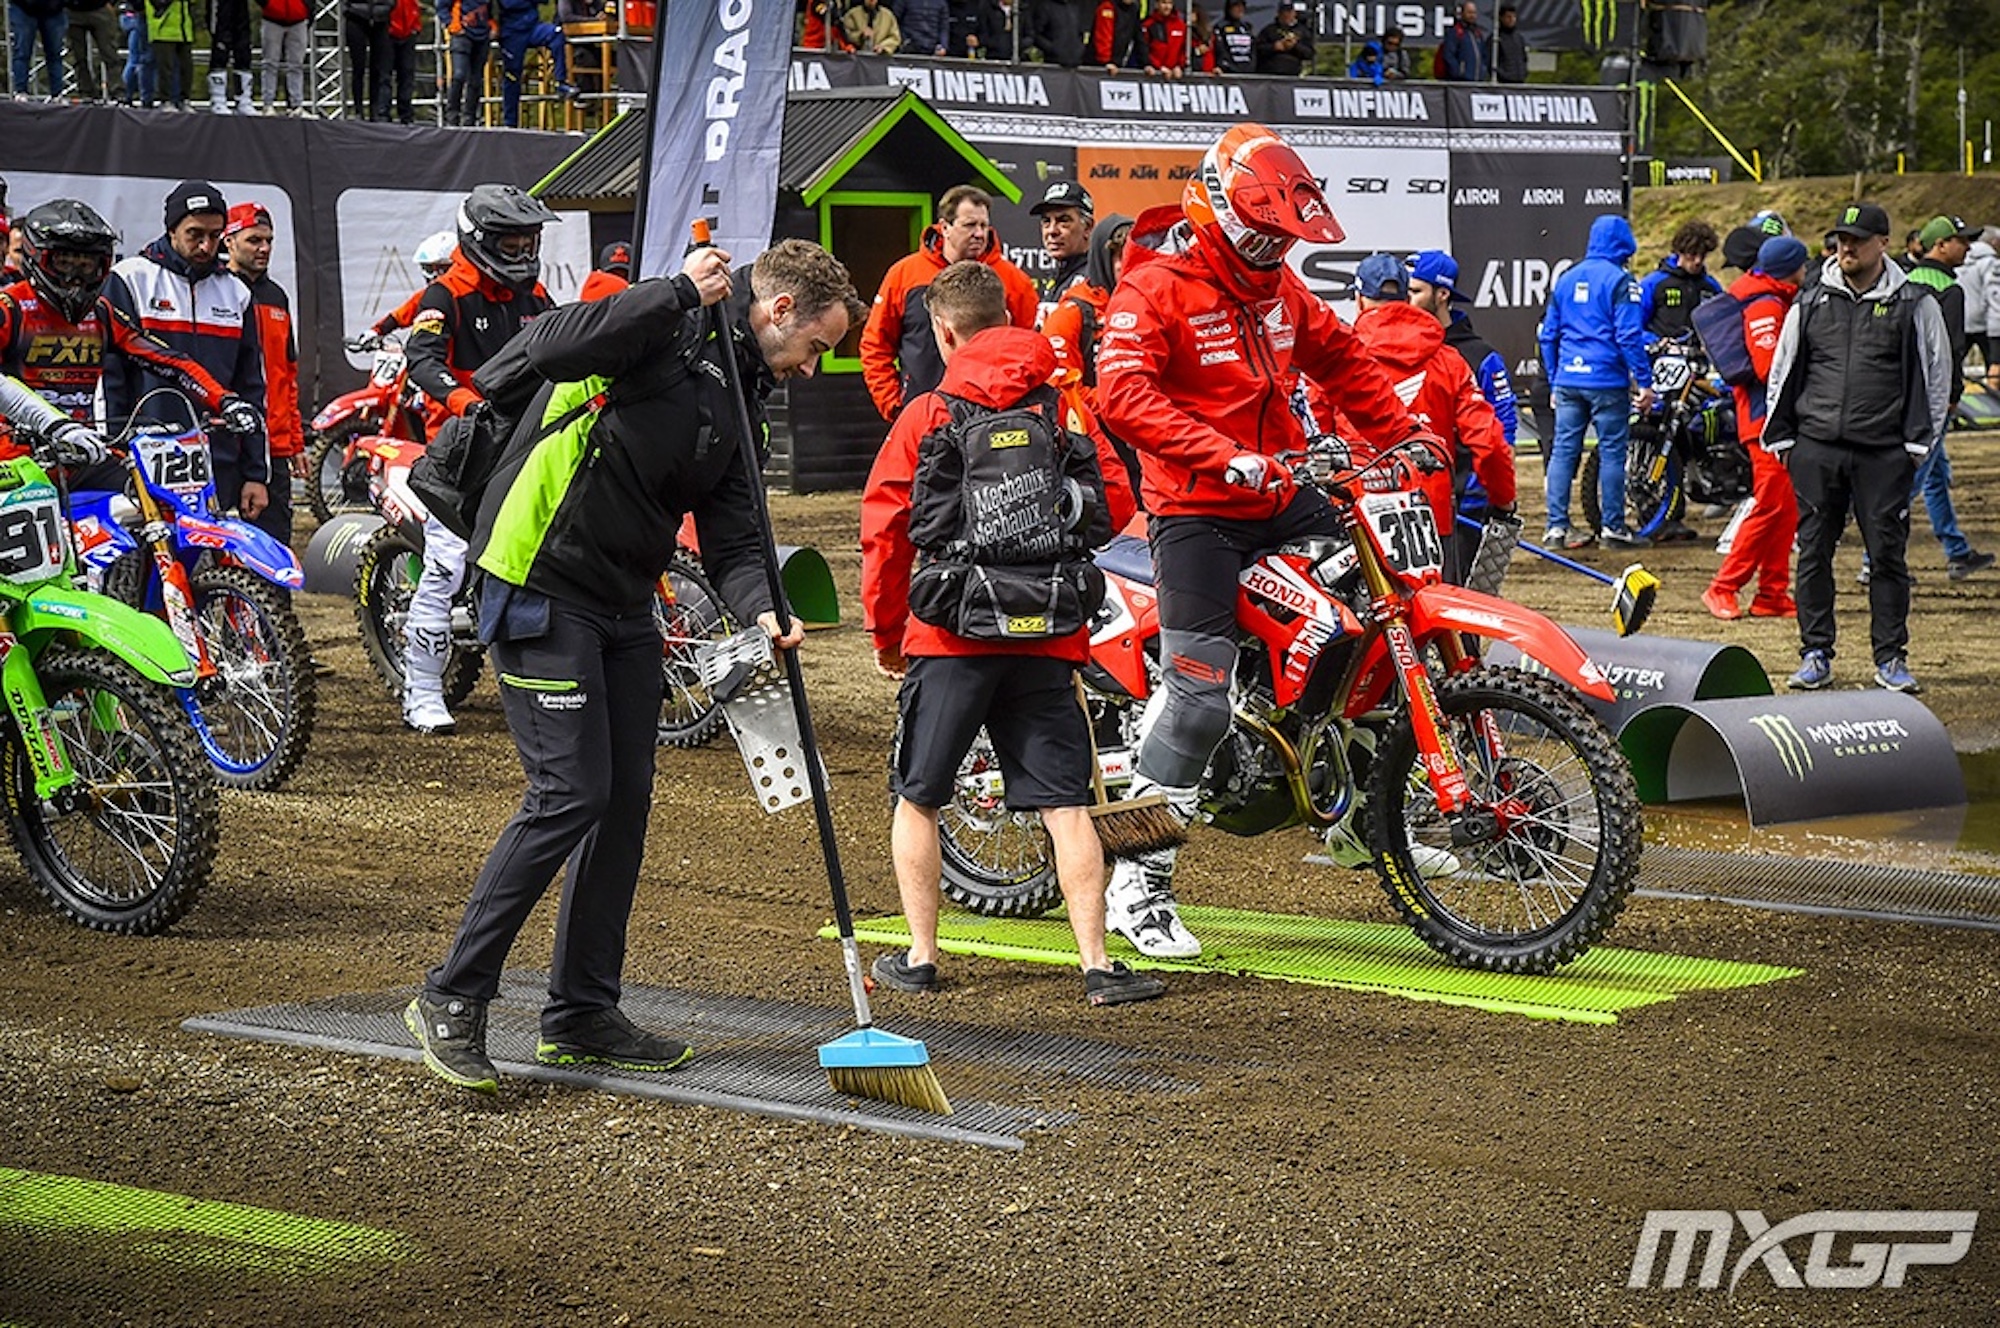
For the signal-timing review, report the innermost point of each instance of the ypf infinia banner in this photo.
(718, 116)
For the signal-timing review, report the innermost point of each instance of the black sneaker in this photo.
(452, 1033)
(1969, 565)
(1119, 985)
(607, 1037)
(896, 970)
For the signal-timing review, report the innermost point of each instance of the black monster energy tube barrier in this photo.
(1797, 756)
(1649, 670)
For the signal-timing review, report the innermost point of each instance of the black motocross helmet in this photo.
(66, 250)
(492, 212)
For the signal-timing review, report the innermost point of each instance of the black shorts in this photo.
(1029, 708)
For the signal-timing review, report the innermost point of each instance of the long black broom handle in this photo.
(815, 776)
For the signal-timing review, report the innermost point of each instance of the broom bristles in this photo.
(1137, 825)
(905, 1085)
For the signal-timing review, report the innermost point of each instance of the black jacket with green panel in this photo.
(590, 513)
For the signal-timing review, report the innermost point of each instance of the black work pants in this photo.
(1833, 479)
(583, 703)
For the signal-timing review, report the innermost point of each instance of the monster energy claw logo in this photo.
(1791, 744)
(1600, 22)
(1647, 94)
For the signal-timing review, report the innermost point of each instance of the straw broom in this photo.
(1130, 826)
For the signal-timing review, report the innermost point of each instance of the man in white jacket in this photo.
(1979, 278)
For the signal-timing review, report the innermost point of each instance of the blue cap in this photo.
(1781, 255)
(1435, 267)
(1378, 272)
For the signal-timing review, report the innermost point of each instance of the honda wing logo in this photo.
(1867, 1263)
(1791, 744)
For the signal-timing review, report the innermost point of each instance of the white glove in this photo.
(240, 416)
(1248, 470)
(75, 444)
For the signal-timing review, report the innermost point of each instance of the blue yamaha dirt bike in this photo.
(109, 800)
(222, 585)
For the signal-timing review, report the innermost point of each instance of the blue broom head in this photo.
(872, 1049)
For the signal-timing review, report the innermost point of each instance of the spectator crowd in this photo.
(1169, 38)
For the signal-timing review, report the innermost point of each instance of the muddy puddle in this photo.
(1950, 839)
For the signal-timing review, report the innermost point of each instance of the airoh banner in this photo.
(716, 120)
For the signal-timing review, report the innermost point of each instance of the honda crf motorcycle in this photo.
(387, 405)
(1501, 815)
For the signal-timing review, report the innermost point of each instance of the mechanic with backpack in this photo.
(1761, 549)
(574, 530)
(490, 292)
(998, 504)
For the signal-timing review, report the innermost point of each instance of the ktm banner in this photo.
(715, 122)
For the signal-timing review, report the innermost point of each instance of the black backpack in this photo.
(1005, 507)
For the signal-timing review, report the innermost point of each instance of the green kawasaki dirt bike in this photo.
(109, 799)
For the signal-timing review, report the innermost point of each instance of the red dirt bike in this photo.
(1502, 816)
(686, 608)
(388, 405)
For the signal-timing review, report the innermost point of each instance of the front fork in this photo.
(1470, 820)
(56, 779)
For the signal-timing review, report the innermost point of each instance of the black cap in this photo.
(1064, 193)
(1861, 220)
(617, 254)
(190, 196)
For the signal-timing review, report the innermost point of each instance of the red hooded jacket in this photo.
(899, 356)
(1432, 379)
(994, 368)
(1765, 299)
(1197, 362)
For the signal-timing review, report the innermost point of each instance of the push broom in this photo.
(1633, 590)
(867, 1062)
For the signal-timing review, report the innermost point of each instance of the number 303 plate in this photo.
(1405, 531)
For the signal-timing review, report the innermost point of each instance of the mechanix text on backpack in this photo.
(1005, 507)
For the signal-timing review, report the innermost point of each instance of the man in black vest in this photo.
(1860, 393)
(1670, 292)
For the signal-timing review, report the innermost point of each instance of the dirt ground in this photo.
(1372, 1161)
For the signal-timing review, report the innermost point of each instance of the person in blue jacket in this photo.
(1368, 65)
(521, 27)
(1594, 350)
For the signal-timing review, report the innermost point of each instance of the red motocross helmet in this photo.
(1255, 196)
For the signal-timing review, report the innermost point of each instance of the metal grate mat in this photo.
(751, 1055)
(1816, 885)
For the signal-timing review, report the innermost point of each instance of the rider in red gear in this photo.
(1204, 339)
(56, 327)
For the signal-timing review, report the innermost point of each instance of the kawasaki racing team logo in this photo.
(1791, 744)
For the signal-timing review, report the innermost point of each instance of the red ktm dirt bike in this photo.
(1501, 815)
(388, 405)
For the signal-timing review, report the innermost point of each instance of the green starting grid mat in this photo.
(68, 1220)
(1357, 956)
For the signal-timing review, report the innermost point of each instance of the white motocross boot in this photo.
(1139, 899)
(423, 686)
(246, 101)
(218, 91)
